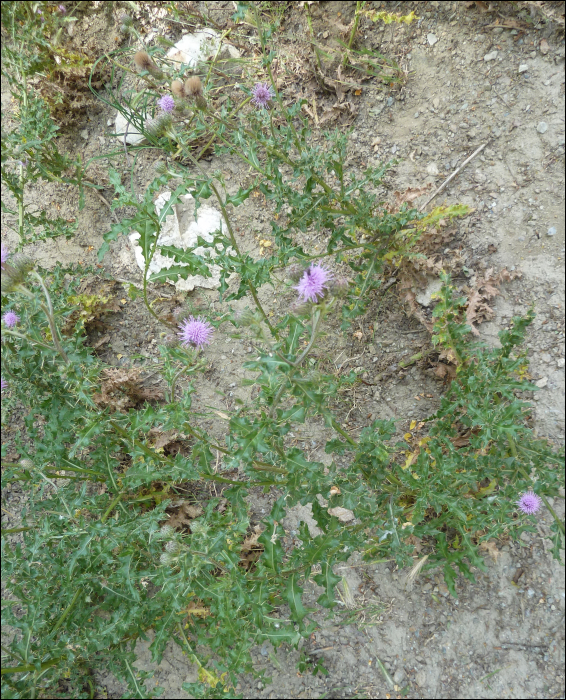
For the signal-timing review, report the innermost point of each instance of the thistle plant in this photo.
(102, 558)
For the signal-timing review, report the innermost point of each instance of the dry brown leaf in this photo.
(490, 548)
(441, 370)
(120, 389)
(182, 518)
(251, 541)
(100, 341)
(461, 440)
(486, 288)
(410, 194)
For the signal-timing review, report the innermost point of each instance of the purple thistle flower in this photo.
(195, 331)
(166, 103)
(313, 283)
(529, 502)
(4, 254)
(61, 9)
(262, 93)
(10, 319)
(4, 383)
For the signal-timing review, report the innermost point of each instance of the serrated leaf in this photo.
(296, 413)
(240, 196)
(194, 264)
(328, 580)
(293, 596)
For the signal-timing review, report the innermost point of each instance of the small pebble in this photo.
(432, 39)
(542, 127)
(551, 231)
(523, 68)
(491, 56)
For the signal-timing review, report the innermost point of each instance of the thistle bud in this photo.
(142, 61)
(166, 559)
(26, 463)
(166, 531)
(171, 340)
(244, 317)
(339, 286)
(299, 308)
(160, 167)
(15, 272)
(201, 103)
(158, 126)
(314, 376)
(294, 272)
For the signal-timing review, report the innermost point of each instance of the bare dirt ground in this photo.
(473, 77)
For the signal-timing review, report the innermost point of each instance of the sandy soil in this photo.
(467, 83)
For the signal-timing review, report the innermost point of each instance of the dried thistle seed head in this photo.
(142, 61)
(126, 20)
(178, 89)
(26, 463)
(193, 87)
(160, 167)
(172, 546)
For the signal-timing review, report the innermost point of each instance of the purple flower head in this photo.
(195, 331)
(166, 103)
(10, 319)
(529, 502)
(4, 254)
(61, 9)
(313, 283)
(262, 93)
(4, 383)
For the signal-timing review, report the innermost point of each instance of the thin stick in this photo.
(439, 190)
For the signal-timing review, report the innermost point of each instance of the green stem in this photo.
(26, 337)
(359, 7)
(48, 311)
(67, 611)
(110, 508)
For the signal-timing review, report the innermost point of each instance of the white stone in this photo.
(133, 136)
(192, 48)
(432, 39)
(181, 229)
(541, 383)
(432, 169)
(523, 68)
(491, 56)
(542, 127)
